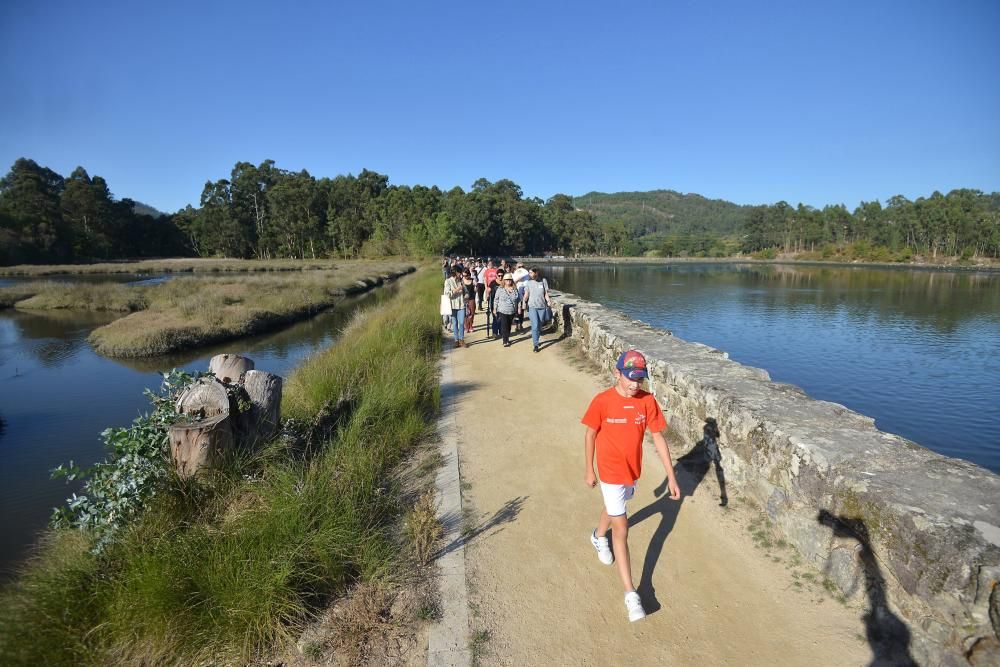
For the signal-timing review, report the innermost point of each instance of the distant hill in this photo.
(145, 209)
(665, 212)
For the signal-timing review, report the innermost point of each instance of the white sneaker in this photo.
(604, 553)
(634, 606)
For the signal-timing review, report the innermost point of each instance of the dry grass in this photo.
(106, 297)
(15, 293)
(423, 528)
(181, 265)
(193, 312)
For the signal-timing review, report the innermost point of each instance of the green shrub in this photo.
(117, 489)
(226, 570)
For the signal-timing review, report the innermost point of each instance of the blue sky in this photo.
(752, 102)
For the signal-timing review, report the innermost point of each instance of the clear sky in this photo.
(832, 102)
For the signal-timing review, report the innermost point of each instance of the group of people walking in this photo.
(504, 292)
(616, 420)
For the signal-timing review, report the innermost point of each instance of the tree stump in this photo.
(200, 444)
(205, 398)
(260, 423)
(229, 368)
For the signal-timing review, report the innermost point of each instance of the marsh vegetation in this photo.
(190, 312)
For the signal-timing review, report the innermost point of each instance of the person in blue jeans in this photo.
(492, 299)
(455, 291)
(536, 300)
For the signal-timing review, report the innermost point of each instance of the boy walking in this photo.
(616, 421)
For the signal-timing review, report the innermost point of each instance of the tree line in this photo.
(46, 218)
(265, 212)
(961, 223)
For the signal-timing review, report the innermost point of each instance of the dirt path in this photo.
(538, 594)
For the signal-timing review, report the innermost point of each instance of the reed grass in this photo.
(12, 294)
(189, 312)
(100, 297)
(180, 265)
(193, 312)
(229, 569)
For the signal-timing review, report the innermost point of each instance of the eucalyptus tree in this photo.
(299, 215)
(86, 209)
(30, 212)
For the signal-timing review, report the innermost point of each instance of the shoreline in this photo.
(185, 265)
(922, 266)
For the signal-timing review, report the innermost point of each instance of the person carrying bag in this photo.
(536, 301)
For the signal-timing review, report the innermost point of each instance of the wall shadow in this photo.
(690, 470)
(567, 320)
(887, 635)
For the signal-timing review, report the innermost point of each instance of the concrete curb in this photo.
(448, 642)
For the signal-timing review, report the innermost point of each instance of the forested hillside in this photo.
(665, 212)
(263, 211)
(683, 223)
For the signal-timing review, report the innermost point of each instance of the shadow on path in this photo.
(690, 469)
(887, 635)
(470, 531)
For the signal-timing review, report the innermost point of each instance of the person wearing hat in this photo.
(491, 292)
(616, 421)
(505, 304)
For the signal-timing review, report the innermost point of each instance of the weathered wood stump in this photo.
(261, 421)
(200, 444)
(205, 398)
(238, 408)
(229, 368)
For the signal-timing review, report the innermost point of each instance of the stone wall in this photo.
(915, 532)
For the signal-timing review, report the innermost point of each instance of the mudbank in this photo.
(916, 533)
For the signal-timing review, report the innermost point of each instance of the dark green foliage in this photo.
(45, 218)
(264, 212)
(962, 223)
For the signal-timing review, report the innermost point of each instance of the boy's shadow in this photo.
(887, 634)
(690, 469)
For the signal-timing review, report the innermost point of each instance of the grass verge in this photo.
(229, 570)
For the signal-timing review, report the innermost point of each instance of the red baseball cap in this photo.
(632, 365)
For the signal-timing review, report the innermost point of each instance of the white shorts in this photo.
(615, 497)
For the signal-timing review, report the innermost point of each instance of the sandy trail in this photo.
(536, 586)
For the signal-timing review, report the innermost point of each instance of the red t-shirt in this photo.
(490, 276)
(620, 423)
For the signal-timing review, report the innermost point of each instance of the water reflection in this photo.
(57, 395)
(915, 349)
(51, 337)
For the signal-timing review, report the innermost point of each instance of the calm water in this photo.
(57, 395)
(917, 350)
